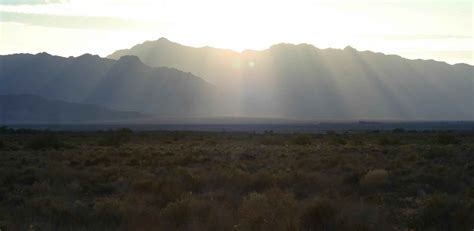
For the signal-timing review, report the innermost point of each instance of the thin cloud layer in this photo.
(74, 22)
(395, 27)
(30, 2)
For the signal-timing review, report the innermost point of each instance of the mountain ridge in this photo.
(78, 80)
(115, 54)
(301, 81)
(304, 81)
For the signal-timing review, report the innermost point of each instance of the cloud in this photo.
(75, 22)
(420, 36)
(30, 2)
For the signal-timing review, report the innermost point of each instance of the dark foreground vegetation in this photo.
(121, 180)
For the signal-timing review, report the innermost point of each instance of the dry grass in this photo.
(374, 178)
(236, 181)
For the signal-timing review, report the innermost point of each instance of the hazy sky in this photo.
(427, 29)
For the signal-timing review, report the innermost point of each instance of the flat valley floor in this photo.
(124, 180)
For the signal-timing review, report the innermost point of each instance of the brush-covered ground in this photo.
(120, 180)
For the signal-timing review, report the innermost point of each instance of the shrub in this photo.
(110, 210)
(40, 187)
(446, 139)
(436, 152)
(211, 142)
(374, 178)
(177, 136)
(357, 142)
(117, 138)
(272, 210)
(398, 130)
(470, 192)
(338, 141)
(2, 145)
(45, 141)
(320, 214)
(195, 213)
(362, 217)
(439, 212)
(302, 139)
(271, 140)
(176, 215)
(388, 141)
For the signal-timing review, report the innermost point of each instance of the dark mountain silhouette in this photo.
(132, 85)
(76, 81)
(288, 81)
(207, 61)
(302, 81)
(126, 84)
(31, 108)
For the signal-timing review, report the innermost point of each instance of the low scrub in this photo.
(388, 140)
(234, 181)
(272, 140)
(46, 141)
(440, 212)
(446, 139)
(302, 139)
(374, 179)
(117, 137)
(271, 210)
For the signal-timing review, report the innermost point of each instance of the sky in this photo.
(424, 29)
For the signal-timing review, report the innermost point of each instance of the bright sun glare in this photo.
(441, 29)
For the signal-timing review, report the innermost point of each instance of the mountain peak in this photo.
(128, 63)
(87, 56)
(164, 40)
(43, 54)
(349, 48)
(282, 46)
(129, 59)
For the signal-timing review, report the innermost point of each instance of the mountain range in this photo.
(124, 84)
(164, 78)
(302, 81)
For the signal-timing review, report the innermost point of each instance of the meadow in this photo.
(125, 180)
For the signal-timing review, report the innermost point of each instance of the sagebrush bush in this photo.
(362, 217)
(40, 187)
(446, 139)
(330, 214)
(194, 213)
(271, 210)
(374, 178)
(177, 215)
(470, 193)
(112, 210)
(440, 212)
(302, 139)
(320, 214)
(272, 140)
(337, 140)
(45, 141)
(437, 152)
(386, 140)
(398, 130)
(117, 138)
(158, 183)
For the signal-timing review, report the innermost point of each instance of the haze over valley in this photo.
(287, 81)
